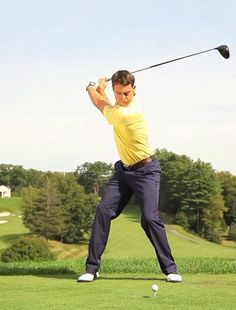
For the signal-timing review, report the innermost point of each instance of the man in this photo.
(137, 172)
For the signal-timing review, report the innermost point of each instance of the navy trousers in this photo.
(144, 183)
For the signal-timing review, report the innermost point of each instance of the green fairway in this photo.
(117, 291)
(128, 239)
(14, 227)
(13, 205)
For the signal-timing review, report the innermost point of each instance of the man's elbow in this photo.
(100, 105)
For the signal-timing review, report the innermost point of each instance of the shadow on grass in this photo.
(11, 237)
(39, 273)
(132, 278)
(74, 277)
(68, 276)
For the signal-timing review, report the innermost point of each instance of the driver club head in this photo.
(224, 51)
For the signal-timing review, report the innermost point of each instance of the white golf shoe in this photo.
(174, 277)
(88, 277)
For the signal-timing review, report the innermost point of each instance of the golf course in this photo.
(128, 271)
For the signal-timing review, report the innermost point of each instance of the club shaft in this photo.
(168, 61)
(222, 49)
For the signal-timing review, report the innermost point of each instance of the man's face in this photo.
(123, 94)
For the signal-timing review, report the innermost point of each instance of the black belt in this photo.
(140, 163)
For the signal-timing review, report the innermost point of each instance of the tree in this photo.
(5, 174)
(80, 216)
(35, 178)
(232, 232)
(16, 177)
(189, 190)
(200, 185)
(94, 176)
(228, 182)
(213, 219)
(60, 210)
(79, 207)
(43, 213)
(172, 190)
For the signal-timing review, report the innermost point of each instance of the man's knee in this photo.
(105, 211)
(151, 220)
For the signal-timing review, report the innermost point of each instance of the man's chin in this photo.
(123, 104)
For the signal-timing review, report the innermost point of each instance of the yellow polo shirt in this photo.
(130, 131)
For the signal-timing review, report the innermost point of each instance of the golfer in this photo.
(137, 172)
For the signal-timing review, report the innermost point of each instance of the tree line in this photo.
(61, 206)
(200, 199)
(58, 206)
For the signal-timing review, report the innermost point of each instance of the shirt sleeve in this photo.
(112, 114)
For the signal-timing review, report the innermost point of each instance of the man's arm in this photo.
(98, 95)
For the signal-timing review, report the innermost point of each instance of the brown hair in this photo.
(123, 77)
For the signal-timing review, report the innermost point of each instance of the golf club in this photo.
(222, 49)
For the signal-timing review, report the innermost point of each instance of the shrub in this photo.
(213, 235)
(27, 248)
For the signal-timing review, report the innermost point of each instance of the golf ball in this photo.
(155, 287)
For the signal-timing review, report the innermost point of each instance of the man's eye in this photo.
(125, 93)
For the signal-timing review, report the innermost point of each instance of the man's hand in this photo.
(102, 84)
(97, 94)
(92, 83)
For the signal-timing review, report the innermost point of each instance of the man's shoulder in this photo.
(113, 113)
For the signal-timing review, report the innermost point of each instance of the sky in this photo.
(51, 49)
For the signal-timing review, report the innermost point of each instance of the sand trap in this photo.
(3, 214)
(3, 221)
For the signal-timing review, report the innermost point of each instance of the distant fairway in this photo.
(127, 239)
(13, 205)
(14, 227)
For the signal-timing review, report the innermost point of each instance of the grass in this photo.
(120, 265)
(14, 228)
(117, 291)
(128, 239)
(128, 270)
(63, 250)
(12, 205)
